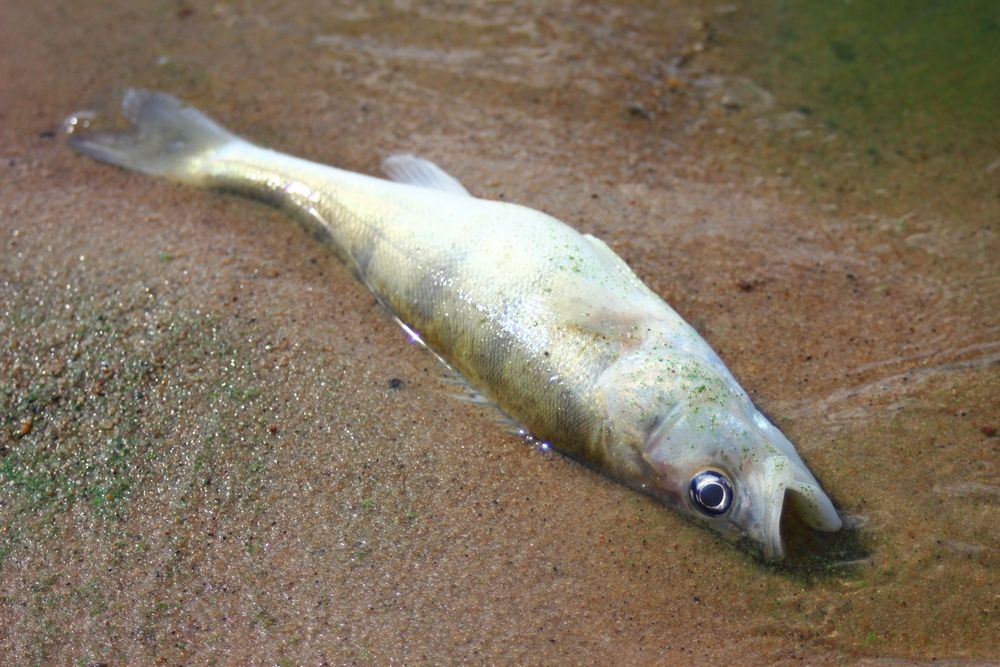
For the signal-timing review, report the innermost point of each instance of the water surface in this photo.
(216, 447)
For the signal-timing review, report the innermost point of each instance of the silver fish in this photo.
(547, 323)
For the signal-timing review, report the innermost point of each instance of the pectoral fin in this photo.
(602, 312)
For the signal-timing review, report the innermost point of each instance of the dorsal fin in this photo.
(413, 170)
(611, 258)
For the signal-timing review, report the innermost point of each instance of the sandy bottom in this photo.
(215, 448)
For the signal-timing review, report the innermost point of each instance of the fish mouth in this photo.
(805, 499)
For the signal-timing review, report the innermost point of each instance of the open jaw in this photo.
(807, 501)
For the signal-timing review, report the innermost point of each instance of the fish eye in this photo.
(711, 492)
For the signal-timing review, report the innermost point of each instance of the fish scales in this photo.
(466, 300)
(548, 324)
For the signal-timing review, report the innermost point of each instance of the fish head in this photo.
(725, 465)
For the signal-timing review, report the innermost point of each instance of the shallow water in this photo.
(216, 447)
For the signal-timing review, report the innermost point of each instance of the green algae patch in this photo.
(889, 69)
(875, 99)
(98, 409)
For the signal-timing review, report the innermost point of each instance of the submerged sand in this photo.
(216, 448)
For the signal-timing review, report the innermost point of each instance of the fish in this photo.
(548, 324)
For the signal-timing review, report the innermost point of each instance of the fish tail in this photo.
(166, 138)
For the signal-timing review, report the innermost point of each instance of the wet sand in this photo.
(216, 448)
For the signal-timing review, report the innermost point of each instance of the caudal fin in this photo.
(165, 135)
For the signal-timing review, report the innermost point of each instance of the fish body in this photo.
(547, 323)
